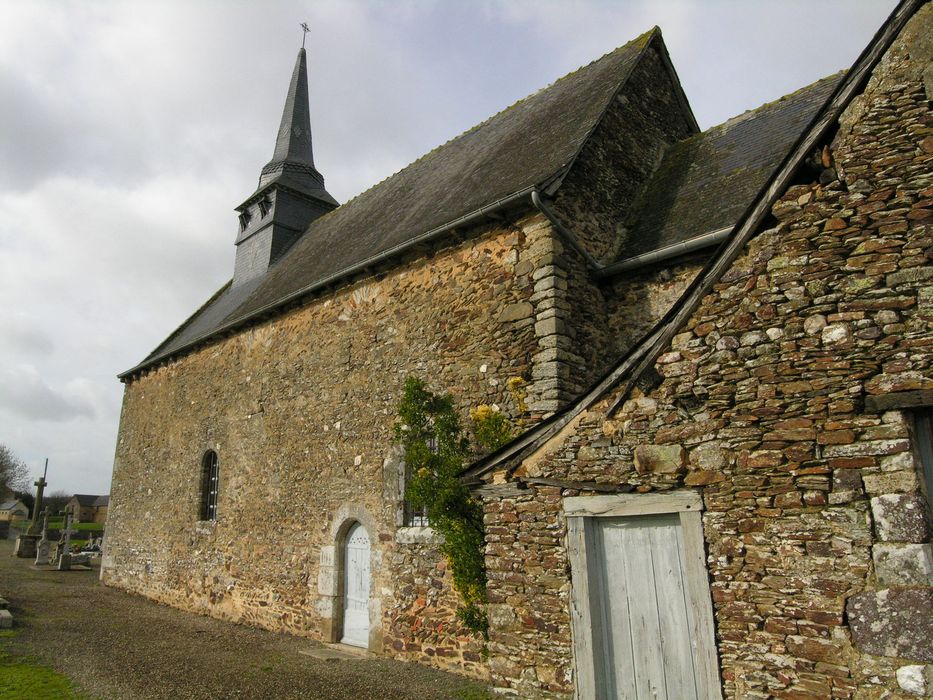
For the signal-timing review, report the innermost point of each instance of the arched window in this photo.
(209, 485)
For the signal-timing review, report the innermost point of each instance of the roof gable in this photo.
(629, 368)
(527, 145)
(705, 182)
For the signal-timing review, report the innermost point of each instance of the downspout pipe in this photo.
(567, 235)
(707, 240)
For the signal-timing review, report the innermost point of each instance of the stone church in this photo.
(723, 342)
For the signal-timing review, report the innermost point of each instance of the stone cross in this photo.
(40, 489)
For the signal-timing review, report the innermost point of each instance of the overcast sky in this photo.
(130, 130)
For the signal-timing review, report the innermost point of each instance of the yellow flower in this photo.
(515, 383)
(481, 412)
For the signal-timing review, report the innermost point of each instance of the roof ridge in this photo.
(643, 37)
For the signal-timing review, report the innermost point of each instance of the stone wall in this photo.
(645, 117)
(638, 298)
(816, 527)
(593, 203)
(299, 409)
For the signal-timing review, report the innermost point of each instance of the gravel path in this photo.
(116, 645)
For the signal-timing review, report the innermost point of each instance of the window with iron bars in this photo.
(209, 485)
(413, 516)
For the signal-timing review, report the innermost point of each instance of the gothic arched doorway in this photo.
(356, 586)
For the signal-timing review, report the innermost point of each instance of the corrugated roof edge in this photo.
(550, 183)
(636, 360)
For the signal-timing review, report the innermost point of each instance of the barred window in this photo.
(209, 485)
(413, 516)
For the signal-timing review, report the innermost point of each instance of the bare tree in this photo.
(14, 474)
(56, 501)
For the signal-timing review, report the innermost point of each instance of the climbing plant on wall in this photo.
(436, 450)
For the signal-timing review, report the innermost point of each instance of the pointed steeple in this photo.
(291, 191)
(293, 155)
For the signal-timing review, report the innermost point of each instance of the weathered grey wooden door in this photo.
(641, 607)
(356, 600)
(643, 632)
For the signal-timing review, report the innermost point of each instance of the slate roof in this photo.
(705, 183)
(88, 501)
(641, 356)
(10, 505)
(526, 145)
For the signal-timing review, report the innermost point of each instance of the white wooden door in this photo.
(356, 598)
(640, 609)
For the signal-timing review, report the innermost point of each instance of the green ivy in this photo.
(436, 451)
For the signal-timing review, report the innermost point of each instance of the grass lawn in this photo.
(59, 523)
(23, 678)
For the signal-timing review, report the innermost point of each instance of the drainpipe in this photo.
(707, 240)
(591, 262)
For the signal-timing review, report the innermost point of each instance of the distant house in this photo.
(13, 510)
(85, 508)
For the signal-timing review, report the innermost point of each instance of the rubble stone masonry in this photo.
(816, 526)
(299, 409)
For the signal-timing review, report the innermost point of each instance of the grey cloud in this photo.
(24, 393)
(21, 334)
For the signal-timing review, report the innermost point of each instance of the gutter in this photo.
(706, 240)
(330, 280)
(599, 270)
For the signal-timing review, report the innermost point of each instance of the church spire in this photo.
(293, 143)
(291, 191)
(293, 155)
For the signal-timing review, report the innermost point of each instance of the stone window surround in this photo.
(395, 474)
(688, 505)
(207, 511)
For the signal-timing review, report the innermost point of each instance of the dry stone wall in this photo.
(816, 526)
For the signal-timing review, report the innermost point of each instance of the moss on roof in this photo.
(705, 182)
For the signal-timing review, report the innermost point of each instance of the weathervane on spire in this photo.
(305, 28)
